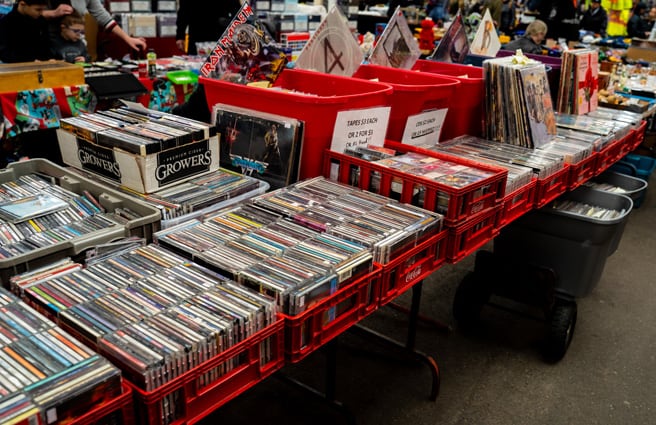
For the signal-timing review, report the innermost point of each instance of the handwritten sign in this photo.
(360, 128)
(424, 128)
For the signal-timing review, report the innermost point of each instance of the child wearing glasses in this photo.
(69, 44)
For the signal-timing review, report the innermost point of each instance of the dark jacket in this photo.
(637, 27)
(526, 44)
(23, 39)
(68, 50)
(595, 20)
(206, 20)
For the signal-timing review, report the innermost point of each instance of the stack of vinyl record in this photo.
(45, 370)
(518, 102)
(577, 92)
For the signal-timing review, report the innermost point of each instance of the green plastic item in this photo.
(182, 77)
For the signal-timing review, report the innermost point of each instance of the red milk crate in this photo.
(582, 171)
(460, 203)
(412, 266)
(466, 110)
(472, 234)
(308, 331)
(638, 135)
(609, 155)
(551, 187)
(197, 393)
(314, 98)
(626, 143)
(414, 92)
(516, 203)
(120, 410)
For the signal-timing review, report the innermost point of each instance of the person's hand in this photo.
(137, 43)
(61, 10)
(80, 59)
(180, 44)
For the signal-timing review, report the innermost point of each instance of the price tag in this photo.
(360, 128)
(424, 128)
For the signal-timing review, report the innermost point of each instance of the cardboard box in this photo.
(145, 174)
(37, 75)
(642, 50)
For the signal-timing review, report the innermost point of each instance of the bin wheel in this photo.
(471, 295)
(561, 330)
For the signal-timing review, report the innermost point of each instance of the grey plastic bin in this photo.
(633, 186)
(573, 245)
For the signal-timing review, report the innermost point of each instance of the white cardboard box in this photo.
(145, 174)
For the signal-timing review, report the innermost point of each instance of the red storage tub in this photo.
(467, 108)
(116, 411)
(412, 266)
(197, 393)
(308, 331)
(414, 92)
(316, 100)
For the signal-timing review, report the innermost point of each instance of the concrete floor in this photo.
(495, 375)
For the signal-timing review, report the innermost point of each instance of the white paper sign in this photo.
(424, 128)
(360, 127)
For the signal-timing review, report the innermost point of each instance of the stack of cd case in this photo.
(151, 312)
(301, 243)
(46, 372)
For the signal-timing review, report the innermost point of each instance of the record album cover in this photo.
(453, 47)
(245, 53)
(396, 47)
(486, 41)
(332, 49)
(266, 146)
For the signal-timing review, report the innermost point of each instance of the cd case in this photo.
(29, 207)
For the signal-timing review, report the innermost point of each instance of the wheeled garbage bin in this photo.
(548, 257)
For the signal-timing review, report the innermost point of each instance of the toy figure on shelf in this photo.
(426, 35)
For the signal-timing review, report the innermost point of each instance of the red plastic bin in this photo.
(319, 324)
(517, 203)
(638, 135)
(610, 154)
(120, 410)
(414, 92)
(316, 100)
(582, 171)
(467, 201)
(466, 110)
(469, 236)
(412, 266)
(551, 187)
(197, 393)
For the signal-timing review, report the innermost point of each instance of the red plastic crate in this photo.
(516, 203)
(117, 411)
(414, 92)
(609, 155)
(466, 111)
(412, 266)
(316, 101)
(582, 171)
(316, 326)
(473, 234)
(461, 203)
(197, 393)
(551, 187)
(638, 136)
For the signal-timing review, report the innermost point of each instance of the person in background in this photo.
(24, 33)
(531, 41)
(508, 16)
(595, 19)
(437, 11)
(69, 43)
(59, 8)
(638, 26)
(205, 21)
